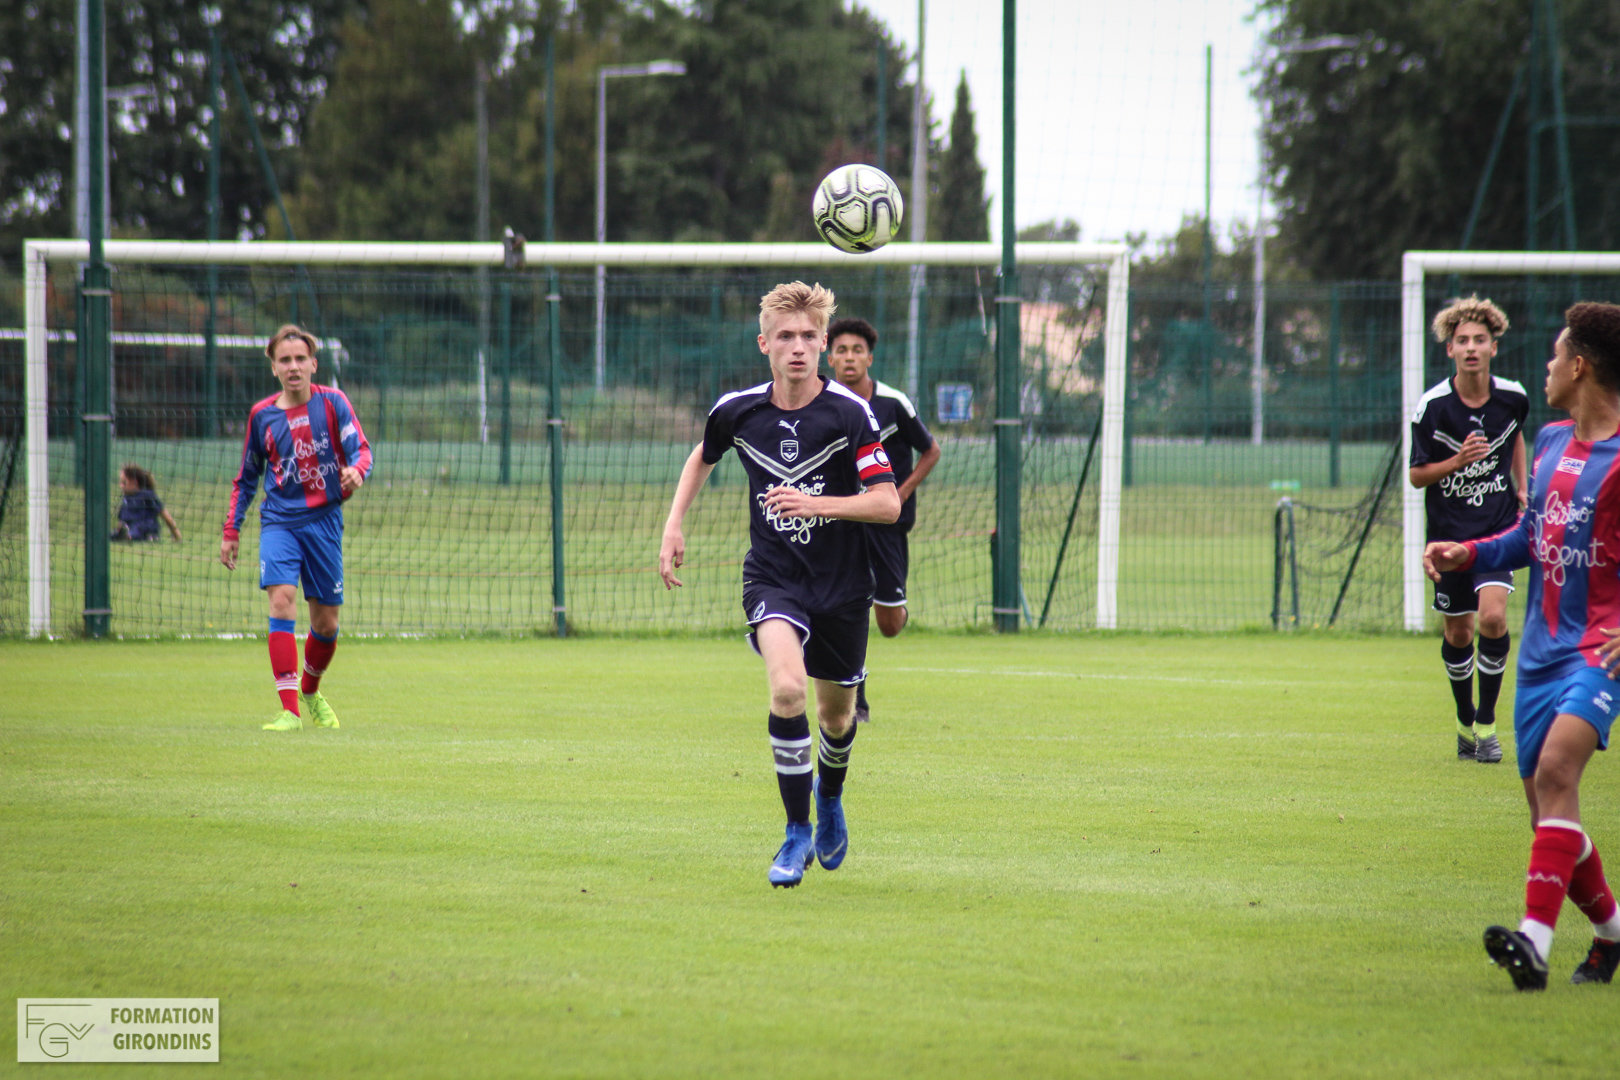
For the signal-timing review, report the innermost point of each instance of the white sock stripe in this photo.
(1586, 849)
(794, 770)
(1560, 823)
(836, 756)
(1459, 672)
(315, 671)
(1492, 665)
(794, 743)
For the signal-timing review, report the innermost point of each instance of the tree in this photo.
(159, 136)
(390, 152)
(962, 211)
(777, 92)
(1378, 146)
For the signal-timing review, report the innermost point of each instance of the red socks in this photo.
(1589, 889)
(1553, 854)
(284, 665)
(318, 652)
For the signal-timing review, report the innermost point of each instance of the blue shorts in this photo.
(1588, 693)
(834, 642)
(891, 560)
(312, 551)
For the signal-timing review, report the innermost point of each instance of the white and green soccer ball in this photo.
(857, 208)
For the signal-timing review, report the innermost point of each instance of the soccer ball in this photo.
(857, 208)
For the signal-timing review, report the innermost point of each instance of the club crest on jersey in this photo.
(790, 449)
(1573, 466)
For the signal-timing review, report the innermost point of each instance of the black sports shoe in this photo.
(1512, 950)
(1599, 964)
(1489, 750)
(1467, 749)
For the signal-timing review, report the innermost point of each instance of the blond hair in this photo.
(795, 297)
(291, 330)
(1469, 309)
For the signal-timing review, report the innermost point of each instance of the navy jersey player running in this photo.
(307, 444)
(1570, 539)
(1468, 453)
(850, 344)
(816, 470)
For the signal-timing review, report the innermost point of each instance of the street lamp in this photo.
(603, 74)
(1257, 375)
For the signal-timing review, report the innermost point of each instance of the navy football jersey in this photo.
(829, 447)
(1479, 499)
(903, 431)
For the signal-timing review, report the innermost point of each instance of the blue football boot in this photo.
(793, 858)
(832, 835)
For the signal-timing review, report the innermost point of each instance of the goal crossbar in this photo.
(513, 254)
(1415, 267)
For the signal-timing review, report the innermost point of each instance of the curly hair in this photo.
(142, 478)
(859, 327)
(1594, 332)
(291, 330)
(795, 297)
(1469, 309)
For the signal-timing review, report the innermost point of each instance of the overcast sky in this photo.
(1110, 105)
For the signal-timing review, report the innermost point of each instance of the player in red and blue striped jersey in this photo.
(1566, 699)
(308, 445)
(816, 470)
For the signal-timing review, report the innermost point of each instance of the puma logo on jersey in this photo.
(791, 425)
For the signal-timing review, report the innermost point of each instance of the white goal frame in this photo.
(1415, 266)
(39, 254)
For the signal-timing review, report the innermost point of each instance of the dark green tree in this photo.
(961, 211)
(1377, 146)
(158, 134)
(777, 92)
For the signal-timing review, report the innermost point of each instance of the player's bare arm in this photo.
(1475, 447)
(1442, 556)
(879, 503)
(672, 550)
(925, 465)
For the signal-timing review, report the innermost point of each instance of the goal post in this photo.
(1416, 266)
(1112, 260)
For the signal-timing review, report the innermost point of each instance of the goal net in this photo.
(526, 449)
(1534, 288)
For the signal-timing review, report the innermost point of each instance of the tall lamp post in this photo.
(603, 74)
(1257, 375)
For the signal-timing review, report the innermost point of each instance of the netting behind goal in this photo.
(449, 371)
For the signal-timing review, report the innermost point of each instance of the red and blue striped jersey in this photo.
(300, 453)
(1570, 539)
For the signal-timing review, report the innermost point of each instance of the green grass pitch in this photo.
(1106, 855)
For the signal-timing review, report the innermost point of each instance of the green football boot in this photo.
(287, 721)
(319, 711)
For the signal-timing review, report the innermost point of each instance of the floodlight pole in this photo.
(603, 74)
(96, 419)
(1006, 599)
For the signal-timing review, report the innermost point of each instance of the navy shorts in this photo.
(891, 560)
(312, 551)
(834, 642)
(1454, 593)
(1588, 693)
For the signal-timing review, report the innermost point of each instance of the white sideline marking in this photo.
(1091, 675)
